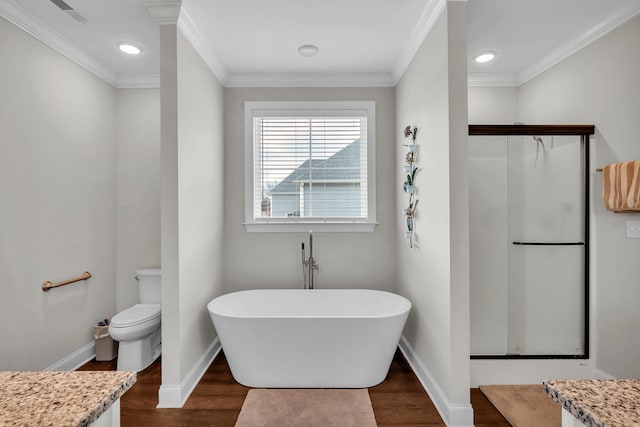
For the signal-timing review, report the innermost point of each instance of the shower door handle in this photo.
(549, 243)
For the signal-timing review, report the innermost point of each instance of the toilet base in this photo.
(138, 355)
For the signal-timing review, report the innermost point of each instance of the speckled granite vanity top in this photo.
(598, 403)
(66, 398)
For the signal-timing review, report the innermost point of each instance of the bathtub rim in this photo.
(394, 313)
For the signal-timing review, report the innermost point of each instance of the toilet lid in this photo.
(139, 313)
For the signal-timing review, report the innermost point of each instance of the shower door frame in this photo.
(583, 131)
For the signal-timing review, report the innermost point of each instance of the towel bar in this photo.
(49, 285)
(549, 243)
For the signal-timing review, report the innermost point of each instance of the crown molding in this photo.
(22, 19)
(202, 46)
(309, 80)
(621, 14)
(429, 16)
(615, 18)
(164, 13)
(492, 79)
(172, 13)
(138, 81)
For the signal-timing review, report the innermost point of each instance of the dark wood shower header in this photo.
(531, 129)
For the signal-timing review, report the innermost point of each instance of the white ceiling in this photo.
(531, 35)
(362, 42)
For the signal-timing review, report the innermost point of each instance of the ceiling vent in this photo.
(69, 11)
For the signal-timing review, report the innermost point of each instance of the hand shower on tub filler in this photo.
(308, 264)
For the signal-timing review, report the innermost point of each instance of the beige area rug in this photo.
(306, 408)
(524, 405)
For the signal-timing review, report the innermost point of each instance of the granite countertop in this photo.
(598, 403)
(65, 398)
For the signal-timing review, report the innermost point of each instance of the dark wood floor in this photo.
(216, 401)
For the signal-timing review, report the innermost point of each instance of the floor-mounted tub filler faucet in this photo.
(308, 264)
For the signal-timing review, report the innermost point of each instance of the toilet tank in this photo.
(148, 285)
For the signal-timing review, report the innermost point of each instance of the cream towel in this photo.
(621, 186)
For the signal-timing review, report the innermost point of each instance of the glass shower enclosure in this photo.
(529, 241)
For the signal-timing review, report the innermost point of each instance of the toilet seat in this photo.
(137, 315)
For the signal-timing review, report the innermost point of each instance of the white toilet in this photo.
(138, 328)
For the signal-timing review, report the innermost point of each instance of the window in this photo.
(310, 165)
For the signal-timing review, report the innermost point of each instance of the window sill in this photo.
(298, 227)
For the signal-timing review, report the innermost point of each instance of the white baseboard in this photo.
(599, 374)
(527, 371)
(175, 395)
(76, 359)
(453, 415)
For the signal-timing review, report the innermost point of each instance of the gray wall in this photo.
(66, 161)
(599, 85)
(493, 105)
(488, 217)
(57, 202)
(272, 260)
(138, 188)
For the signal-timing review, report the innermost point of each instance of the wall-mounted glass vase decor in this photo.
(408, 214)
(409, 159)
(411, 132)
(410, 169)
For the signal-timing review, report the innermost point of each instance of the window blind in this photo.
(310, 167)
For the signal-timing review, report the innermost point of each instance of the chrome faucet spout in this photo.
(308, 264)
(312, 263)
(304, 268)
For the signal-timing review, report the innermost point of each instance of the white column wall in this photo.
(192, 197)
(200, 200)
(434, 275)
(170, 260)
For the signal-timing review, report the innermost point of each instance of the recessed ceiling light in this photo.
(308, 50)
(130, 48)
(485, 57)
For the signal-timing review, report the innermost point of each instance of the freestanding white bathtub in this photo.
(317, 338)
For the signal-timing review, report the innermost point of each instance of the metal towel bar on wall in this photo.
(549, 243)
(49, 285)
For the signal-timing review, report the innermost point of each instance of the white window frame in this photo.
(308, 108)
